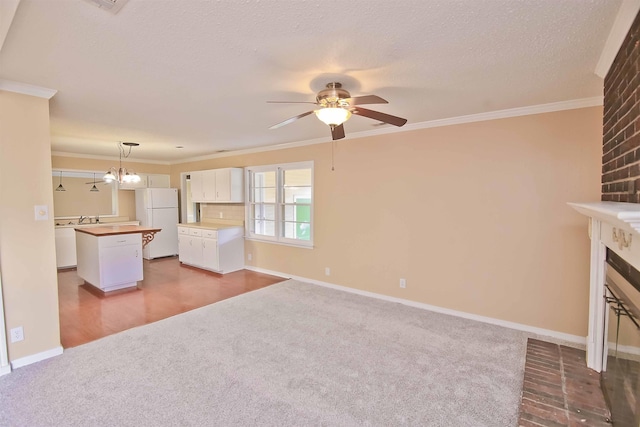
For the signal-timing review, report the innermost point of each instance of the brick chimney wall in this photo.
(621, 141)
(621, 130)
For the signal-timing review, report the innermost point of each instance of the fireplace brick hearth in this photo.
(559, 390)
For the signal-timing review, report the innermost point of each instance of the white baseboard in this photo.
(547, 333)
(4, 370)
(28, 360)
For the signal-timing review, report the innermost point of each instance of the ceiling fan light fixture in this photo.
(333, 116)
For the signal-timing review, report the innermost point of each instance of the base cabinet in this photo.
(220, 250)
(110, 262)
(65, 247)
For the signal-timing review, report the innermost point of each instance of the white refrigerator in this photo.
(158, 208)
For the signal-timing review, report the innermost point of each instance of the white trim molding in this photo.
(480, 117)
(27, 89)
(5, 367)
(624, 19)
(33, 358)
(574, 340)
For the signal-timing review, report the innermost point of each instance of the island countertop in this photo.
(117, 229)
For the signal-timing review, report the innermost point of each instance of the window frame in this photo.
(280, 204)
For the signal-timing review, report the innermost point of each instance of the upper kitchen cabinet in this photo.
(158, 181)
(148, 181)
(217, 186)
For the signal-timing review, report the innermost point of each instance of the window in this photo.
(280, 203)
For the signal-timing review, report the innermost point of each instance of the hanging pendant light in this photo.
(60, 187)
(121, 174)
(94, 188)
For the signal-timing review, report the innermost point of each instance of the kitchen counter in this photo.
(112, 230)
(66, 239)
(100, 224)
(213, 225)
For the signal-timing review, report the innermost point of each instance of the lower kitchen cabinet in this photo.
(110, 262)
(220, 250)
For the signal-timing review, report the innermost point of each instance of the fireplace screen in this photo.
(621, 374)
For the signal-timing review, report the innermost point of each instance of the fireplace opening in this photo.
(620, 378)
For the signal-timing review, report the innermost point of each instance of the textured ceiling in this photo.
(198, 73)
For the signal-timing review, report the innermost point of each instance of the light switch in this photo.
(42, 212)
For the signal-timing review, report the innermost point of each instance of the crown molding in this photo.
(27, 89)
(491, 115)
(621, 25)
(109, 158)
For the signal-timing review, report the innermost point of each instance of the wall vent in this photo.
(112, 6)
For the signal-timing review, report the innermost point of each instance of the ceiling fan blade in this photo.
(292, 102)
(366, 99)
(337, 132)
(291, 120)
(376, 115)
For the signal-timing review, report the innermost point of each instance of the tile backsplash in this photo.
(211, 212)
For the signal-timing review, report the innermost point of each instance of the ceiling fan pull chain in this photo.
(333, 144)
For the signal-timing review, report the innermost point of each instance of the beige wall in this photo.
(27, 248)
(474, 216)
(126, 198)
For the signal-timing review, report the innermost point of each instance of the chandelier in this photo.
(121, 174)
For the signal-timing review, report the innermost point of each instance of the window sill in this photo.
(275, 242)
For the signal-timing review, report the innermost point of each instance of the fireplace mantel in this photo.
(613, 225)
(615, 213)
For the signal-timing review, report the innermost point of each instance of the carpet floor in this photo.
(291, 354)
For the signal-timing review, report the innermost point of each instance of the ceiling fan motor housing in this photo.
(333, 95)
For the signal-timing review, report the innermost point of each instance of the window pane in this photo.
(297, 177)
(297, 230)
(300, 213)
(263, 211)
(263, 187)
(297, 195)
(267, 195)
(264, 179)
(264, 227)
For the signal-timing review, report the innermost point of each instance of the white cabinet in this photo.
(148, 181)
(65, 247)
(220, 250)
(210, 250)
(158, 181)
(190, 246)
(217, 185)
(110, 262)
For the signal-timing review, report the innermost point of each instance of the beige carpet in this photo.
(292, 354)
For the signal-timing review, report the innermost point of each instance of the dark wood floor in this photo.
(168, 289)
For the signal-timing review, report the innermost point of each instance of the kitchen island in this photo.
(110, 257)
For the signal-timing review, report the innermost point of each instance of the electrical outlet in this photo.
(221, 215)
(249, 257)
(403, 283)
(327, 271)
(17, 334)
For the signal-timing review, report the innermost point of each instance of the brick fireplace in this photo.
(613, 342)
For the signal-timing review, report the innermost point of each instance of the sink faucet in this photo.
(82, 218)
(97, 219)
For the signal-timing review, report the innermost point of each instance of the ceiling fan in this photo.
(336, 105)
